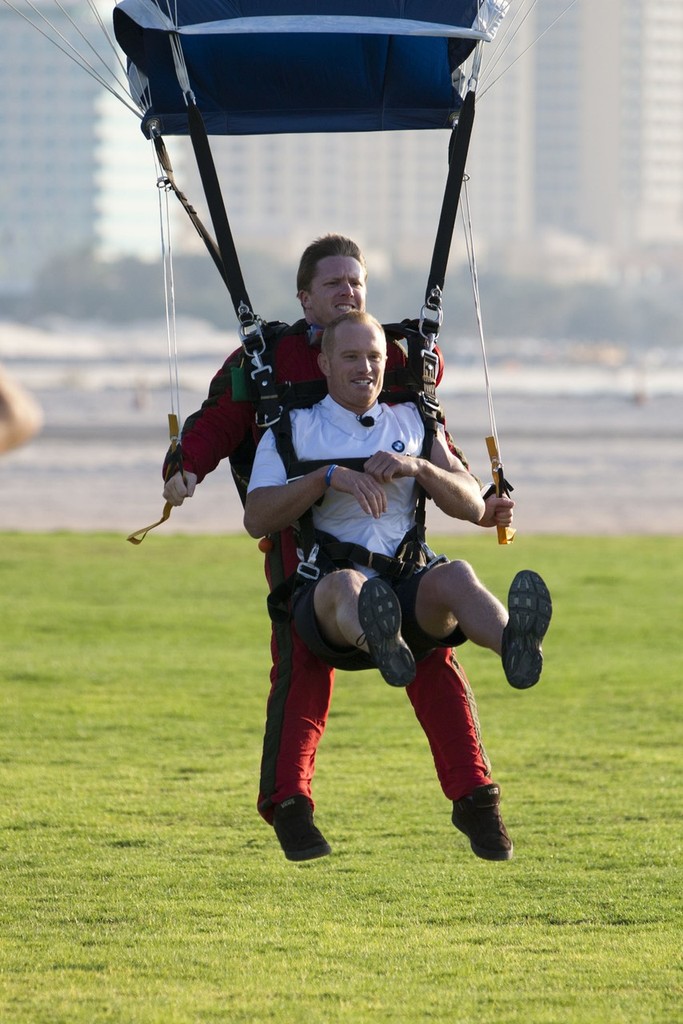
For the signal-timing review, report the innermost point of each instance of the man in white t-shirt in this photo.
(354, 617)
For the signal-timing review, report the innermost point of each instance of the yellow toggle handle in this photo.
(139, 535)
(506, 534)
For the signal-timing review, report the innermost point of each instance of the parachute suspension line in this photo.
(163, 188)
(95, 11)
(509, 37)
(170, 8)
(466, 214)
(181, 68)
(503, 42)
(505, 533)
(69, 50)
(126, 81)
(475, 70)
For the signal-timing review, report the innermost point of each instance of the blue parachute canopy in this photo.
(270, 66)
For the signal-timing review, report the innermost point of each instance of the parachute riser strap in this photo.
(214, 198)
(459, 146)
(506, 534)
(174, 465)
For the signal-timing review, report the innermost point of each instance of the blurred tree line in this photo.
(80, 287)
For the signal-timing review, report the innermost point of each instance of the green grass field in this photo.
(139, 884)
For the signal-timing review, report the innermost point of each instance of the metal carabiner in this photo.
(429, 325)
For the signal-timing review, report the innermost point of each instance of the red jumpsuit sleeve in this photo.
(218, 428)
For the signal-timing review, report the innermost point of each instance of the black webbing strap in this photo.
(251, 328)
(339, 551)
(214, 198)
(203, 232)
(411, 555)
(422, 364)
(458, 145)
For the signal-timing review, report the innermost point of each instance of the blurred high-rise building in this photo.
(48, 153)
(582, 138)
(77, 173)
(578, 144)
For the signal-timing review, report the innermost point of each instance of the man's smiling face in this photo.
(354, 364)
(338, 286)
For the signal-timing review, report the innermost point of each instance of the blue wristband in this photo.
(328, 475)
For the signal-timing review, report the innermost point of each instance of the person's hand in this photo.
(367, 492)
(498, 511)
(385, 466)
(179, 487)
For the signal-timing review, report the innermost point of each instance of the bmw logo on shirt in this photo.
(398, 446)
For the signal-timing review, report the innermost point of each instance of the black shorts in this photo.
(351, 658)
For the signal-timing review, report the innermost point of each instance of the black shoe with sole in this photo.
(293, 824)
(530, 610)
(379, 612)
(478, 817)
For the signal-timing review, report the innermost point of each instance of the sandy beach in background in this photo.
(593, 464)
(590, 447)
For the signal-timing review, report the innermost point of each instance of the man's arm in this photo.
(443, 476)
(269, 509)
(447, 481)
(209, 435)
(493, 511)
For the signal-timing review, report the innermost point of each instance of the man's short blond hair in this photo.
(354, 316)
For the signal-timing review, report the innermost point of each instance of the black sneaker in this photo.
(530, 610)
(478, 816)
(293, 824)
(379, 612)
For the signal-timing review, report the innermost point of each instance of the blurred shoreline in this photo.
(589, 449)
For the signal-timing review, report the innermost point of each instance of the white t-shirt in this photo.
(328, 431)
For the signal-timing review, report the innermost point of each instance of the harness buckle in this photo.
(437, 560)
(261, 373)
(430, 403)
(430, 368)
(264, 418)
(307, 568)
(430, 365)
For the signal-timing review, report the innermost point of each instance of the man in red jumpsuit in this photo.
(331, 280)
